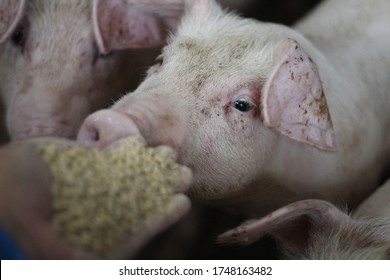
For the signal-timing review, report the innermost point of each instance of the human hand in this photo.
(44, 225)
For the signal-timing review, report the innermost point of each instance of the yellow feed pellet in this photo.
(102, 197)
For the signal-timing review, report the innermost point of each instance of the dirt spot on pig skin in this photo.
(206, 112)
(188, 45)
(323, 107)
(227, 109)
(292, 76)
(243, 125)
(198, 83)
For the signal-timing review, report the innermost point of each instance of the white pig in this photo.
(262, 115)
(316, 229)
(61, 60)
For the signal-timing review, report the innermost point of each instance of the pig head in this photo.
(62, 60)
(256, 111)
(316, 229)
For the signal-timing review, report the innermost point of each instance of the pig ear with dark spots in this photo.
(11, 12)
(293, 99)
(292, 226)
(123, 24)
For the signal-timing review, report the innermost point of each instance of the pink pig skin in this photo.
(263, 115)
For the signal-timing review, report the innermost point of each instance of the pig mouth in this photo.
(35, 131)
(142, 129)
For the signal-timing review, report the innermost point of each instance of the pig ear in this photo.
(293, 99)
(292, 226)
(11, 11)
(119, 24)
(201, 10)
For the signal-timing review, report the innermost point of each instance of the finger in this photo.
(185, 179)
(167, 152)
(179, 206)
(185, 174)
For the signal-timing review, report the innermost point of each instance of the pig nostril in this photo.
(89, 136)
(94, 136)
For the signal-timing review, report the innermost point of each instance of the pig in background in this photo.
(61, 60)
(317, 229)
(262, 115)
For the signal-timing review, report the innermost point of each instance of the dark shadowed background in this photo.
(282, 11)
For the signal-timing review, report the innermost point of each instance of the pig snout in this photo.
(153, 118)
(104, 127)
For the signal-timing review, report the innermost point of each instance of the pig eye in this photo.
(243, 105)
(18, 38)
